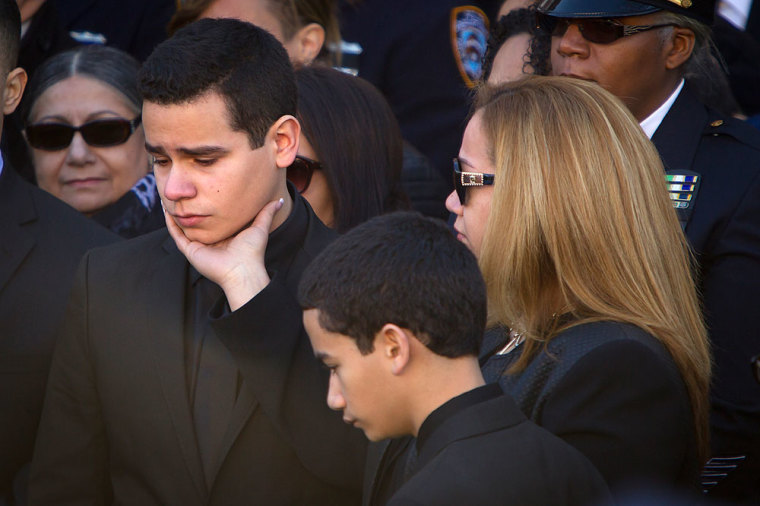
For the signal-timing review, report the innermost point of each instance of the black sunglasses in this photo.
(300, 172)
(596, 30)
(99, 133)
(463, 180)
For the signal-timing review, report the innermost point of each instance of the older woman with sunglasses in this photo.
(82, 116)
(596, 329)
(350, 156)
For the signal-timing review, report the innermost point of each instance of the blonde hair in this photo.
(581, 228)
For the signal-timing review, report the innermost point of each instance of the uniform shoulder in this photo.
(720, 125)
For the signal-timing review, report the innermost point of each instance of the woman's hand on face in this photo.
(235, 264)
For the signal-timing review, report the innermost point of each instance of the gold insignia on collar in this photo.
(681, 3)
(716, 123)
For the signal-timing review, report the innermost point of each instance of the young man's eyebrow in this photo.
(203, 151)
(321, 355)
(154, 149)
(199, 151)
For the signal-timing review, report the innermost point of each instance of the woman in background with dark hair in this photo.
(82, 122)
(349, 164)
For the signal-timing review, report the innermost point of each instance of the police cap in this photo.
(701, 10)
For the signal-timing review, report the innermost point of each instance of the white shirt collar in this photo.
(652, 122)
(735, 12)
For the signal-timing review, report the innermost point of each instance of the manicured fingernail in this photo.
(280, 203)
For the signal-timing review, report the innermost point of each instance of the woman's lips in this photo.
(85, 182)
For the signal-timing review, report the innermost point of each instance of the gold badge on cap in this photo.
(681, 3)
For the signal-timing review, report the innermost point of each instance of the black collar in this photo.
(450, 408)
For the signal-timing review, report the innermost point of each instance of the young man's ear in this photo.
(679, 47)
(15, 83)
(306, 44)
(286, 132)
(396, 347)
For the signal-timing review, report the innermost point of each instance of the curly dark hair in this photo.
(536, 60)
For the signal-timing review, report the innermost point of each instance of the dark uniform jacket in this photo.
(42, 241)
(409, 53)
(136, 26)
(613, 392)
(478, 448)
(724, 231)
(117, 424)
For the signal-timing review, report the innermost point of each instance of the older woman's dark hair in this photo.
(357, 140)
(108, 65)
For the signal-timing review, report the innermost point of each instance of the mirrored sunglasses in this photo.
(300, 171)
(596, 30)
(464, 180)
(99, 133)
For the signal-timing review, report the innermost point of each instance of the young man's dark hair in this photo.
(230, 63)
(421, 279)
(10, 33)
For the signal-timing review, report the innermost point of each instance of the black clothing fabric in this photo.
(42, 242)
(137, 212)
(117, 425)
(136, 26)
(423, 184)
(469, 446)
(753, 21)
(724, 231)
(613, 392)
(741, 54)
(437, 418)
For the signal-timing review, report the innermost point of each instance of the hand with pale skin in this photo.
(235, 264)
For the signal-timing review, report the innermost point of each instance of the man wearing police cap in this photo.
(644, 52)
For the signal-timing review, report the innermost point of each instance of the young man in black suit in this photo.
(41, 242)
(396, 310)
(183, 374)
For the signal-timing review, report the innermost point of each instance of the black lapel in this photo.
(488, 416)
(376, 454)
(244, 407)
(18, 212)
(165, 318)
(680, 132)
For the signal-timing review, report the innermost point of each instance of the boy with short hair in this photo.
(396, 310)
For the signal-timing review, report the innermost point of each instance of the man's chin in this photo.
(207, 237)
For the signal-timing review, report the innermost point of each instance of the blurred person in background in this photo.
(306, 28)
(349, 158)
(83, 127)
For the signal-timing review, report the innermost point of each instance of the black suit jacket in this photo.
(614, 393)
(117, 423)
(490, 454)
(42, 242)
(724, 231)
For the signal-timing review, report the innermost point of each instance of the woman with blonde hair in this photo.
(596, 328)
